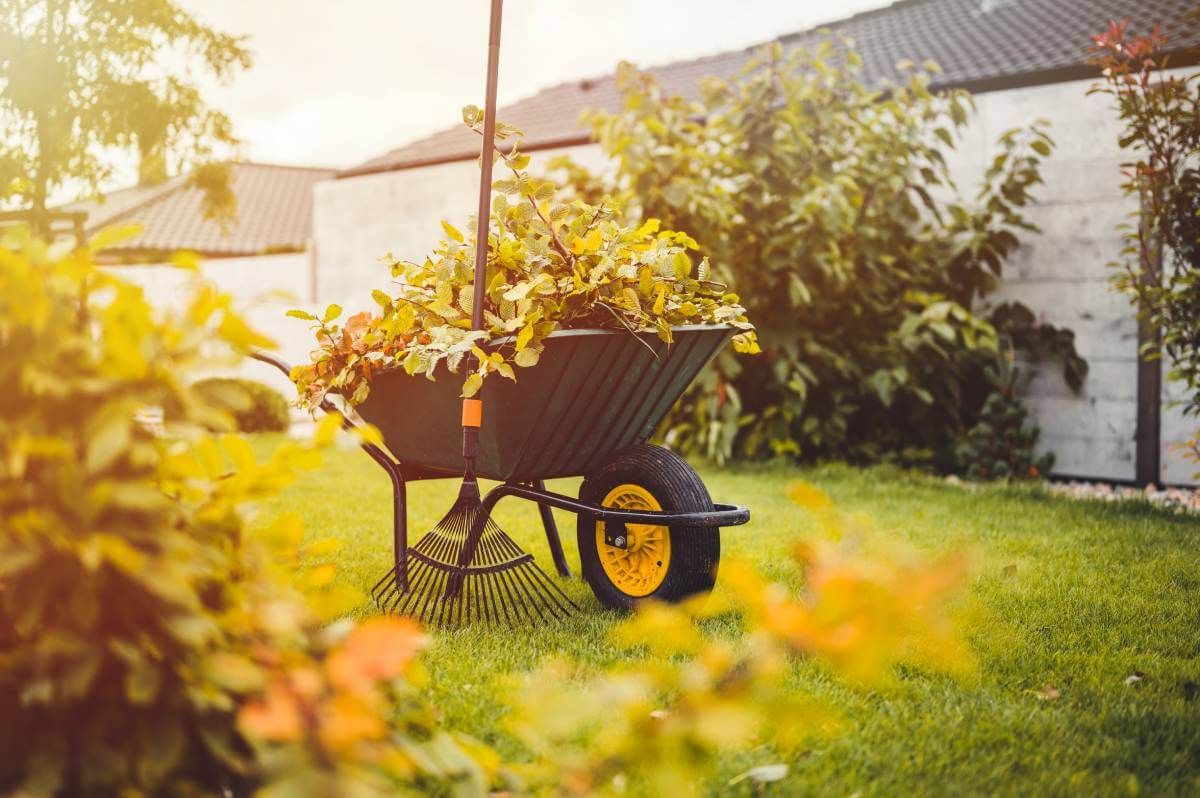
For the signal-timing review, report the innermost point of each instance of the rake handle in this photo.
(485, 175)
(483, 222)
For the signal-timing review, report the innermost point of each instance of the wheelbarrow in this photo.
(646, 526)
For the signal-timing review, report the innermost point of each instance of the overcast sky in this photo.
(335, 83)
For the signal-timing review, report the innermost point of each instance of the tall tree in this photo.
(82, 81)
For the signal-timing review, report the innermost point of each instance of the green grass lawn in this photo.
(1076, 595)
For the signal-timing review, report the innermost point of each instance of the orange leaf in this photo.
(273, 717)
(347, 719)
(380, 648)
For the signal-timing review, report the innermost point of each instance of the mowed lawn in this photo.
(1073, 596)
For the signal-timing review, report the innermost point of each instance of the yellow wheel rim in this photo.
(639, 569)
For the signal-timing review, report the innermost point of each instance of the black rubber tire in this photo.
(695, 551)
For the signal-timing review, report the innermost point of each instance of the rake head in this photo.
(457, 574)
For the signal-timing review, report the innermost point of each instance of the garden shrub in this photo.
(1159, 267)
(551, 265)
(254, 407)
(1001, 445)
(830, 205)
(149, 643)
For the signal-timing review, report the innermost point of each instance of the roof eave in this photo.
(149, 256)
(415, 163)
(1049, 77)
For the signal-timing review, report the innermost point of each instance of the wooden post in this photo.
(1148, 436)
(1149, 404)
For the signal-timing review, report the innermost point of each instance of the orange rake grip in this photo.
(472, 413)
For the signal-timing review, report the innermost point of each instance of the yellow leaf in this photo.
(592, 241)
(528, 357)
(660, 301)
(113, 235)
(524, 337)
(285, 533)
(239, 451)
(321, 576)
(327, 429)
(186, 259)
(452, 231)
(369, 433)
(662, 628)
(235, 330)
(812, 499)
(648, 228)
(472, 385)
(323, 547)
(108, 437)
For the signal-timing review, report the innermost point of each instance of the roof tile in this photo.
(274, 212)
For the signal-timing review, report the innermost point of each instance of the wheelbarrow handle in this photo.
(271, 360)
(281, 365)
(721, 515)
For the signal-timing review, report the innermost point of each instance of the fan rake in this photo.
(458, 574)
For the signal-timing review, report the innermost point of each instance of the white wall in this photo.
(1061, 273)
(264, 288)
(357, 221)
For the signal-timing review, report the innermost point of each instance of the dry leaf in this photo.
(1048, 693)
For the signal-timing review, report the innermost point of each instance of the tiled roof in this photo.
(979, 44)
(274, 212)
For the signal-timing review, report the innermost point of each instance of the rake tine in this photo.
(466, 569)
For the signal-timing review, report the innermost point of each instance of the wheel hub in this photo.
(640, 566)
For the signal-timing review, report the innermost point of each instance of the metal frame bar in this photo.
(721, 515)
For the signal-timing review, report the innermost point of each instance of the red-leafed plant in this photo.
(1158, 267)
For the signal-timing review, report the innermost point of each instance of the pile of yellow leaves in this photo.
(552, 265)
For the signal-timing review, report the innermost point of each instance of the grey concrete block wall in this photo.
(1061, 273)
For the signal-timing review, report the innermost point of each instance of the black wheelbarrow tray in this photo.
(647, 527)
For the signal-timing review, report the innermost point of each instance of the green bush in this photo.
(254, 407)
(1001, 444)
(830, 205)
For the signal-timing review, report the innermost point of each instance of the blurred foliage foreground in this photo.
(159, 637)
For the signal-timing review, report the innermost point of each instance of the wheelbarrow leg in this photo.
(552, 539)
(394, 583)
(400, 531)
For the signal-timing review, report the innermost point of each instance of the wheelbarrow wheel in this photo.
(659, 563)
